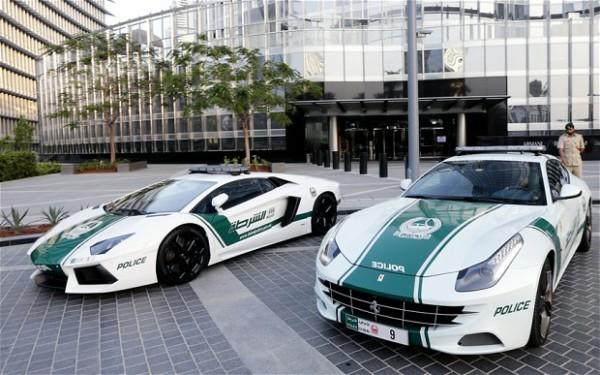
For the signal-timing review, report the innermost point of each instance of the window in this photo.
(555, 177)
(238, 192)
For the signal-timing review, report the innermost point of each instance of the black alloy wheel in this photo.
(182, 255)
(542, 313)
(586, 239)
(324, 213)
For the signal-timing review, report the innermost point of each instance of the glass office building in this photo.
(489, 71)
(26, 27)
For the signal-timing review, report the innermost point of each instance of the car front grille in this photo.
(391, 311)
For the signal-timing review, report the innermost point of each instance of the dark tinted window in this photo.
(556, 179)
(238, 192)
(266, 185)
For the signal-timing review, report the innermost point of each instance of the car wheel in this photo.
(324, 214)
(182, 255)
(542, 313)
(586, 238)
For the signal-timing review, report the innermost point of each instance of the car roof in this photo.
(507, 156)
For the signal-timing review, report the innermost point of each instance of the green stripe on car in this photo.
(544, 226)
(59, 246)
(221, 228)
(410, 242)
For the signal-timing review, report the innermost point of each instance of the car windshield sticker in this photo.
(57, 247)
(426, 228)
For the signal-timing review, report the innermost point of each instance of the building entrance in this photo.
(389, 135)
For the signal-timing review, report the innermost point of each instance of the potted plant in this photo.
(259, 165)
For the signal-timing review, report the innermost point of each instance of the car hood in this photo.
(430, 237)
(80, 232)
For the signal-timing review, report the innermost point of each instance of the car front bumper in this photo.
(492, 320)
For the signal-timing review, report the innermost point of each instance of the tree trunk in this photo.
(113, 149)
(246, 126)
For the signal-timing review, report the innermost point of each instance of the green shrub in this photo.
(47, 167)
(17, 164)
(14, 220)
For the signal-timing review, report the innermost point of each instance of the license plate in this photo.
(379, 330)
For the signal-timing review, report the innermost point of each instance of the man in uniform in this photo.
(570, 147)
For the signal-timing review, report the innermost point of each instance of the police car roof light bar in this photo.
(496, 149)
(232, 169)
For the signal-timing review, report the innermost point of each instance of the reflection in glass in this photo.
(211, 123)
(517, 113)
(433, 61)
(538, 86)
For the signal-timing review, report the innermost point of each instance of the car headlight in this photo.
(487, 273)
(329, 248)
(105, 245)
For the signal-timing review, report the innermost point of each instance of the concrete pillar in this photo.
(461, 130)
(333, 134)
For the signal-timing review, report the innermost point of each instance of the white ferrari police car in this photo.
(171, 230)
(466, 261)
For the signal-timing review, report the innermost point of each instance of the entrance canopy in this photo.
(399, 106)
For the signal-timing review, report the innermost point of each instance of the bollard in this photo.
(308, 158)
(320, 157)
(363, 162)
(327, 163)
(383, 165)
(347, 162)
(335, 159)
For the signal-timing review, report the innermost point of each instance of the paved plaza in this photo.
(253, 314)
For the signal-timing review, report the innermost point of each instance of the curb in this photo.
(20, 240)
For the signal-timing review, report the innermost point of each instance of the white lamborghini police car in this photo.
(466, 261)
(171, 230)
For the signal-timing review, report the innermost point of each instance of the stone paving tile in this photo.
(284, 281)
(154, 329)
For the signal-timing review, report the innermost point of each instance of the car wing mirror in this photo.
(218, 201)
(569, 191)
(405, 184)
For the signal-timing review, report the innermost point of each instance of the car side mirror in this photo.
(218, 201)
(569, 191)
(405, 184)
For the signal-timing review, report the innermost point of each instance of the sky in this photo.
(124, 10)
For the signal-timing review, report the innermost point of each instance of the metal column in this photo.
(412, 167)
(461, 130)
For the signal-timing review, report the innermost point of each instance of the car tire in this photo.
(324, 214)
(542, 312)
(182, 255)
(586, 238)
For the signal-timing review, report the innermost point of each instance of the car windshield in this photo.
(164, 196)
(499, 181)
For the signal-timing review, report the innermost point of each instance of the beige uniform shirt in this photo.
(569, 145)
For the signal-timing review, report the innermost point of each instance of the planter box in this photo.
(130, 167)
(278, 167)
(259, 168)
(68, 168)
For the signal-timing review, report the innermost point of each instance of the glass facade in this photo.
(546, 52)
(26, 27)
